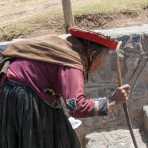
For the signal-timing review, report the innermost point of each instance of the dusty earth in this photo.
(55, 24)
(98, 21)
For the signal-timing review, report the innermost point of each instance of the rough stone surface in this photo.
(115, 139)
(145, 110)
(122, 31)
(104, 81)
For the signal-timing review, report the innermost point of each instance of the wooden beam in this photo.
(68, 17)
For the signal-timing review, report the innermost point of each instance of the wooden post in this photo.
(67, 9)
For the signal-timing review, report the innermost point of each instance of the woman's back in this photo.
(38, 75)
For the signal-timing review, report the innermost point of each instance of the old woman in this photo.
(42, 73)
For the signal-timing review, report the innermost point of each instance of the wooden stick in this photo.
(125, 108)
(67, 9)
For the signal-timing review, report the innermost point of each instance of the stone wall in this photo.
(103, 83)
(145, 115)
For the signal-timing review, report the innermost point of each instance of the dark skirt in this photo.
(26, 121)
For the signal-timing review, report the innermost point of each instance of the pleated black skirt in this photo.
(26, 121)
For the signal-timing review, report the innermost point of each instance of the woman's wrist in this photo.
(111, 105)
(101, 106)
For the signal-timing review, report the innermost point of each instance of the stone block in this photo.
(114, 138)
(145, 115)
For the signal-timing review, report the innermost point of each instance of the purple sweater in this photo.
(69, 82)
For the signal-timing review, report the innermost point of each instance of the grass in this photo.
(21, 17)
(108, 6)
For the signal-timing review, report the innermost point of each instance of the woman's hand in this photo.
(120, 95)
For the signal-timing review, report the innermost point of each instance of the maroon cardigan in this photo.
(69, 82)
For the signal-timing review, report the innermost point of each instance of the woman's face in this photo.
(99, 61)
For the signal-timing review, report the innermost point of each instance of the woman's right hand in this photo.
(120, 95)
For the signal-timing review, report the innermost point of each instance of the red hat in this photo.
(97, 38)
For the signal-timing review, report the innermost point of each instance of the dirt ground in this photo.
(97, 21)
(55, 24)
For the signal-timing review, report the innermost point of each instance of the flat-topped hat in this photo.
(95, 37)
